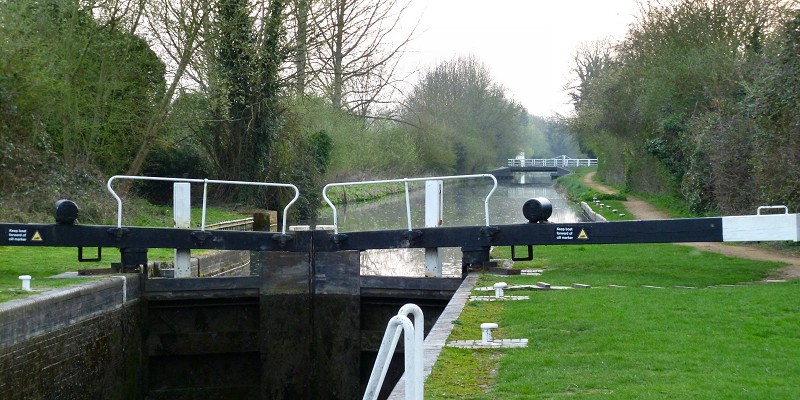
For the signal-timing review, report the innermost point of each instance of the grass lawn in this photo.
(43, 262)
(717, 342)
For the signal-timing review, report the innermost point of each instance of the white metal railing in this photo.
(408, 200)
(560, 161)
(413, 335)
(205, 183)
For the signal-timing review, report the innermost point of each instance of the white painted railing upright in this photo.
(413, 337)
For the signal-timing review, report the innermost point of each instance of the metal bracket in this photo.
(83, 259)
(489, 232)
(784, 208)
(338, 238)
(201, 236)
(117, 233)
(526, 258)
(282, 239)
(412, 236)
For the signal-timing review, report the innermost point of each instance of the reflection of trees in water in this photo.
(407, 262)
(394, 262)
(463, 206)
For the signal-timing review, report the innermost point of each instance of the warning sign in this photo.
(571, 233)
(17, 235)
(565, 233)
(36, 237)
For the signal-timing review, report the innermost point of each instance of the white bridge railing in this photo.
(560, 161)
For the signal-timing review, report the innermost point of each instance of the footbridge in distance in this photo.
(557, 166)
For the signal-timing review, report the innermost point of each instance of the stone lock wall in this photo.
(82, 342)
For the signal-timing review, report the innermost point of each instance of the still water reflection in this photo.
(463, 206)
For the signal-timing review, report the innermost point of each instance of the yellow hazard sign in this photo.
(583, 235)
(36, 237)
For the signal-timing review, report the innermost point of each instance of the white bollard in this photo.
(498, 289)
(26, 282)
(486, 328)
(433, 218)
(182, 212)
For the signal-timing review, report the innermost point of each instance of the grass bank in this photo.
(632, 342)
(362, 193)
(576, 191)
(42, 263)
(573, 185)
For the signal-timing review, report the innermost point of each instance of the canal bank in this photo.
(176, 335)
(645, 211)
(81, 342)
(297, 331)
(683, 323)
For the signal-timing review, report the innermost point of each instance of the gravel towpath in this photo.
(643, 210)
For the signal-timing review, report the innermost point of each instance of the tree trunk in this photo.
(157, 119)
(338, 54)
(301, 51)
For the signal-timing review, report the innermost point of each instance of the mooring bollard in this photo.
(26, 282)
(498, 289)
(486, 328)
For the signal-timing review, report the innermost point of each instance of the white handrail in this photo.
(408, 200)
(413, 335)
(416, 374)
(205, 183)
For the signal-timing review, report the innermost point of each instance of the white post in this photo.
(26, 282)
(181, 202)
(486, 330)
(433, 218)
(498, 289)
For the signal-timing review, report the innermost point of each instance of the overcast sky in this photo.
(526, 44)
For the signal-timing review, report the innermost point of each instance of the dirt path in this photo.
(643, 210)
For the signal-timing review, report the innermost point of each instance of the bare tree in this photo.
(301, 37)
(174, 27)
(349, 55)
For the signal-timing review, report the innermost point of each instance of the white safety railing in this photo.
(408, 199)
(205, 183)
(413, 335)
(560, 161)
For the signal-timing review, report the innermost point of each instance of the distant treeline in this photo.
(701, 99)
(299, 91)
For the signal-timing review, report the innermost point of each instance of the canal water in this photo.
(463, 206)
